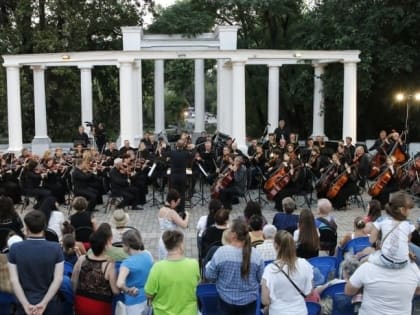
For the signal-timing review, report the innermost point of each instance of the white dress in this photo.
(56, 223)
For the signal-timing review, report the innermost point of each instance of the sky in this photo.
(163, 3)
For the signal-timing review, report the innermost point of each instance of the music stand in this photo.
(261, 200)
(154, 200)
(203, 176)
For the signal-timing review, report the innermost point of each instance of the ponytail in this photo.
(246, 257)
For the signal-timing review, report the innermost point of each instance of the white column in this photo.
(224, 96)
(39, 102)
(14, 113)
(199, 95)
(238, 104)
(318, 105)
(40, 142)
(127, 128)
(138, 102)
(350, 101)
(273, 97)
(159, 96)
(86, 94)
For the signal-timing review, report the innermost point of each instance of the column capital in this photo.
(38, 67)
(270, 65)
(350, 61)
(85, 66)
(125, 61)
(12, 65)
(319, 65)
(238, 61)
(137, 64)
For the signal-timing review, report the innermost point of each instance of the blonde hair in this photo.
(286, 249)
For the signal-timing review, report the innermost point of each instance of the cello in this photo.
(340, 181)
(225, 179)
(277, 182)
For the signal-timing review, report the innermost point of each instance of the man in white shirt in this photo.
(385, 291)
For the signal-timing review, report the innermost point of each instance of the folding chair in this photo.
(341, 303)
(327, 265)
(313, 308)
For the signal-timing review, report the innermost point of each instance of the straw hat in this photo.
(120, 218)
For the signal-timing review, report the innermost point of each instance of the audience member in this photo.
(374, 212)
(172, 282)
(94, 278)
(170, 219)
(327, 227)
(288, 280)
(212, 236)
(208, 220)
(287, 220)
(134, 272)
(385, 291)
(266, 249)
(53, 216)
(120, 218)
(8, 216)
(396, 233)
(306, 236)
(67, 228)
(70, 251)
(237, 269)
(256, 230)
(36, 269)
(82, 218)
(253, 208)
(358, 231)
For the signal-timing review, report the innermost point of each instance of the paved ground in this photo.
(146, 220)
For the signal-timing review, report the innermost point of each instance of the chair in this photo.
(327, 265)
(313, 308)
(353, 246)
(327, 239)
(51, 235)
(113, 198)
(68, 269)
(208, 299)
(7, 302)
(341, 303)
(67, 295)
(357, 199)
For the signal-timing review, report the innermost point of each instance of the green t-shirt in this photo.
(172, 283)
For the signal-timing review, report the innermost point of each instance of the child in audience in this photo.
(396, 232)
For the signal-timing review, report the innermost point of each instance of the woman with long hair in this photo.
(287, 280)
(306, 236)
(237, 269)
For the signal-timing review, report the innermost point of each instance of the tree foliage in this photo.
(385, 31)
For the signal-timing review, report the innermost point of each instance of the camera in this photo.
(89, 124)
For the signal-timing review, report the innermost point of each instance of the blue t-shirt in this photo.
(139, 266)
(35, 260)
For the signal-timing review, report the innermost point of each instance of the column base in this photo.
(40, 144)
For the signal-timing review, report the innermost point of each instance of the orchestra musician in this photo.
(81, 138)
(257, 166)
(270, 145)
(349, 147)
(33, 183)
(379, 142)
(237, 186)
(223, 160)
(389, 186)
(112, 152)
(282, 131)
(126, 147)
(53, 180)
(10, 174)
(84, 183)
(121, 178)
(293, 171)
(100, 136)
(206, 159)
(178, 161)
(252, 148)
